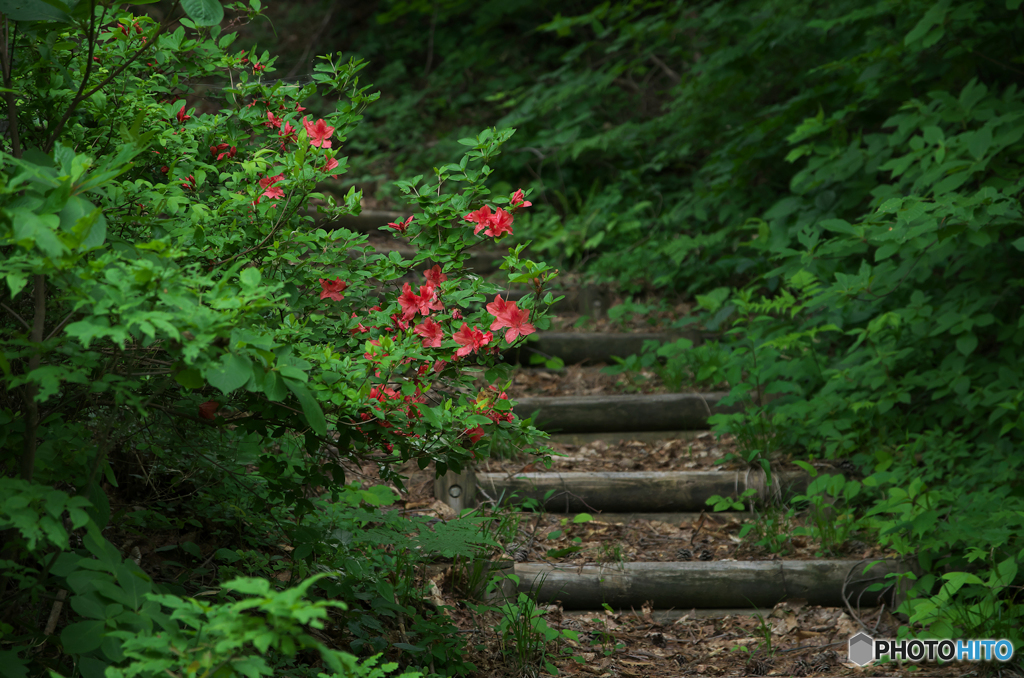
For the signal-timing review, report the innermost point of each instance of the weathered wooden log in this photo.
(592, 414)
(458, 490)
(671, 517)
(612, 437)
(718, 584)
(589, 347)
(635, 491)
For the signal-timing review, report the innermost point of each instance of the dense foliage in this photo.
(188, 360)
(836, 185)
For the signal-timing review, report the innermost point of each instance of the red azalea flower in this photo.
(497, 308)
(273, 121)
(401, 227)
(518, 201)
(494, 224)
(482, 217)
(289, 133)
(515, 319)
(220, 150)
(431, 333)
(456, 314)
(319, 133)
(421, 303)
(272, 191)
(470, 339)
(434, 275)
(475, 434)
(299, 108)
(332, 289)
(330, 165)
(501, 223)
(182, 117)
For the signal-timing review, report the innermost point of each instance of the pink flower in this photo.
(471, 340)
(433, 275)
(518, 201)
(402, 226)
(272, 191)
(421, 303)
(273, 121)
(299, 108)
(332, 289)
(482, 217)
(508, 314)
(182, 117)
(515, 319)
(501, 223)
(496, 223)
(497, 308)
(431, 333)
(220, 150)
(331, 164)
(289, 133)
(319, 133)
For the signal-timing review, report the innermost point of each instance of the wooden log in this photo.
(673, 518)
(585, 347)
(728, 584)
(458, 490)
(634, 491)
(612, 437)
(672, 616)
(593, 414)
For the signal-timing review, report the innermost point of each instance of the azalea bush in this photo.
(187, 347)
(836, 189)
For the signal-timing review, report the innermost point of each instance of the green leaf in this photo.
(1018, 243)
(430, 416)
(11, 666)
(253, 587)
(1013, 5)
(250, 277)
(886, 251)
(204, 12)
(310, 407)
(274, 387)
(190, 378)
(233, 372)
(980, 142)
(33, 10)
(966, 343)
(82, 637)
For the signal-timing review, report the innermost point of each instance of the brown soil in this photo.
(578, 380)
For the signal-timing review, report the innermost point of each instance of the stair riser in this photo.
(633, 492)
(704, 585)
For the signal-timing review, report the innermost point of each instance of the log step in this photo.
(634, 491)
(721, 584)
(612, 437)
(596, 414)
(581, 347)
(671, 517)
